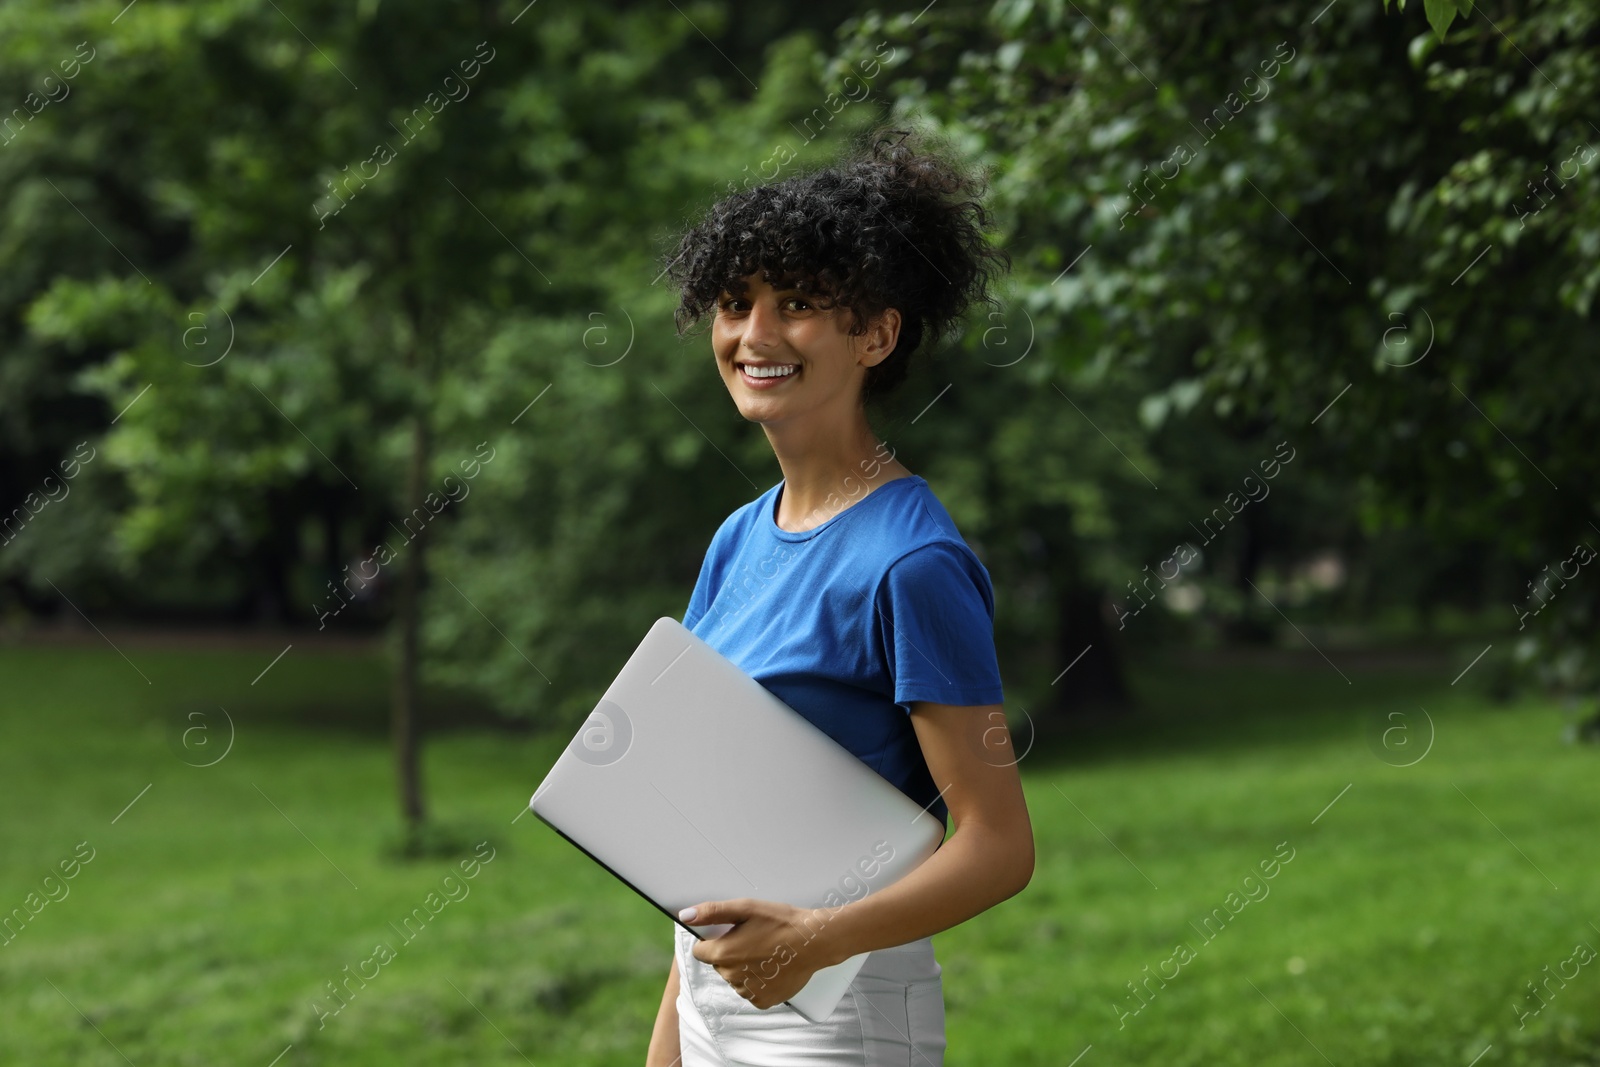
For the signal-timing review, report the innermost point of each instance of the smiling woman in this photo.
(872, 617)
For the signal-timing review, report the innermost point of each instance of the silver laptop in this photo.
(690, 782)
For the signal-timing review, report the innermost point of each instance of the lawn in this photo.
(1408, 908)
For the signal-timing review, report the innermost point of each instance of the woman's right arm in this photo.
(664, 1048)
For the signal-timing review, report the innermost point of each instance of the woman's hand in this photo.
(772, 950)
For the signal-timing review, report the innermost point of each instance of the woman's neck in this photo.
(826, 471)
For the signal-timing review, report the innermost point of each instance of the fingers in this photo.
(741, 986)
(735, 910)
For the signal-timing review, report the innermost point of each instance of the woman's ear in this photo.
(880, 338)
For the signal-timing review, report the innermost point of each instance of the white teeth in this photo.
(777, 371)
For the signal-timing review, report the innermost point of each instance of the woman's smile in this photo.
(766, 375)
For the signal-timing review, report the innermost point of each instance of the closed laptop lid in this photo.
(690, 781)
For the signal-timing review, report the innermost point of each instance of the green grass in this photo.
(206, 926)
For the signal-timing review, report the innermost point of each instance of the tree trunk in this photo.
(270, 597)
(1093, 680)
(332, 548)
(408, 774)
(1088, 663)
(1257, 622)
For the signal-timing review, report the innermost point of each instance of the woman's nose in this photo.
(760, 327)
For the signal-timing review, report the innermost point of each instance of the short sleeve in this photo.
(710, 567)
(936, 621)
(698, 598)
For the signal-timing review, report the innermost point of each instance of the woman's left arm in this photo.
(987, 858)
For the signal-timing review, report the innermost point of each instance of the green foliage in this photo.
(1222, 215)
(1440, 12)
(311, 299)
(1336, 237)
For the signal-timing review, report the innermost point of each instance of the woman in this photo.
(847, 591)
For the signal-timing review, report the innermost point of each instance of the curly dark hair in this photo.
(894, 225)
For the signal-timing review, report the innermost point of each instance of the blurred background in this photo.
(347, 448)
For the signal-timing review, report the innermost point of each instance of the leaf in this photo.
(1440, 14)
(1465, 6)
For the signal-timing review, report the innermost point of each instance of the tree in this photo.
(337, 275)
(1365, 303)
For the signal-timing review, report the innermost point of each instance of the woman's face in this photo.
(782, 357)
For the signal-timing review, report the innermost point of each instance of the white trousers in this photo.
(891, 1016)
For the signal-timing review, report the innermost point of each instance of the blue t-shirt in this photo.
(852, 620)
